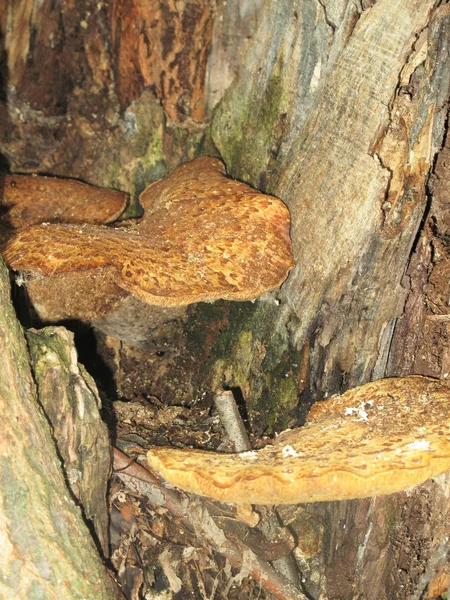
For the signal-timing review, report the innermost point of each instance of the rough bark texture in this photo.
(374, 549)
(164, 45)
(82, 86)
(344, 123)
(69, 398)
(235, 24)
(348, 147)
(47, 549)
(346, 139)
(420, 344)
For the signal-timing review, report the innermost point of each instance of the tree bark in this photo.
(47, 549)
(377, 548)
(69, 398)
(346, 140)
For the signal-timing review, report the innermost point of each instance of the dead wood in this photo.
(338, 105)
(69, 398)
(46, 546)
(203, 520)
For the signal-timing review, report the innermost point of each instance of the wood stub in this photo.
(71, 403)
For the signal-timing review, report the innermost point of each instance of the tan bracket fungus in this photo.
(33, 199)
(203, 237)
(380, 438)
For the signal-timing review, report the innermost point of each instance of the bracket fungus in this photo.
(32, 199)
(380, 438)
(203, 237)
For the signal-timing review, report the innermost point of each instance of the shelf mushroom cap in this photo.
(380, 438)
(32, 199)
(203, 237)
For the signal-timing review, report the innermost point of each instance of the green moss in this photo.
(247, 130)
(48, 338)
(113, 174)
(240, 362)
(246, 345)
(283, 401)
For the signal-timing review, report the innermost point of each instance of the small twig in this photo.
(127, 545)
(234, 426)
(232, 421)
(144, 482)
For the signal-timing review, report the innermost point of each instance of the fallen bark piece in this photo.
(70, 400)
(203, 237)
(380, 438)
(33, 199)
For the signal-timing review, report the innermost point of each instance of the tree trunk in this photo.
(47, 550)
(338, 108)
(346, 140)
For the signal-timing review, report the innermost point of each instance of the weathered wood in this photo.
(234, 26)
(374, 549)
(47, 549)
(82, 86)
(420, 342)
(69, 398)
(346, 142)
(343, 124)
(164, 45)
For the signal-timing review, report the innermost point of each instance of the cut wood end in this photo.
(228, 242)
(381, 438)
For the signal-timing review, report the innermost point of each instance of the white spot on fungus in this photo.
(289, 451)
(419, 445)
(249, 454)
(358, 411)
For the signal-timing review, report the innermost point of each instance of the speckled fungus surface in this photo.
(32, 199)
(203, 237)
(380, 438)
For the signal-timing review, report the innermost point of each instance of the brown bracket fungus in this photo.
(203, 237)
(380, 438)
(32, 199)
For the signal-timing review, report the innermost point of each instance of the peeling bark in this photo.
(164, 45)
(375, 549)
(421, 339)
(349, 151)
